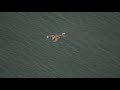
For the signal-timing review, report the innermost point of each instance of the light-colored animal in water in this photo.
(55, 38)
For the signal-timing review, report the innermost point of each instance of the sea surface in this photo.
(90, 48)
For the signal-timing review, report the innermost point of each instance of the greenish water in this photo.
(90, 49)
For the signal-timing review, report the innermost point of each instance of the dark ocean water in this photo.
(90, 49)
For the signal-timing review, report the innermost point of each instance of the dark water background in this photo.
(91, 47)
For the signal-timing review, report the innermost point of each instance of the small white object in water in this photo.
(63, 33)
(55, 38)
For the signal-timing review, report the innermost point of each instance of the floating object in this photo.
(55, 38)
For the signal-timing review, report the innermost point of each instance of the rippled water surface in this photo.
(91, 47)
